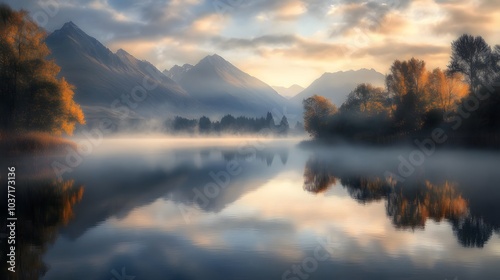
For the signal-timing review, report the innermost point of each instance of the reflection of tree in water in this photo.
(472, 231)
(266, 155)
(408, 204)
(410, 207)
(317, 177)
(42, 208)
(366, 190)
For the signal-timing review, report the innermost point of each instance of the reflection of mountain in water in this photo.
(42, 208)
(409, 204)
(107, 196)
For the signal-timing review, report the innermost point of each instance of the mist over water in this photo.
(252, 208)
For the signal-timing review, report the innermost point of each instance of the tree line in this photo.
(462, 99)
(231, 125)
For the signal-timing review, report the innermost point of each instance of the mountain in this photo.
(288, 92)
(336, 86)
(177, 72)
(223, 87)
(104, 79)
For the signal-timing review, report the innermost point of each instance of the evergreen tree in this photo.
(284, 127)
(204, 125)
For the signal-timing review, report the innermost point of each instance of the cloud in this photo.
(266, 40)
(400, 50)
(284, 46)
(367, 15)
(462, 19)
(321, 35)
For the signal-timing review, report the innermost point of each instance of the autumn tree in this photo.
(367, 100)
(317, 113)
(407, 84)
(446, 89)
(474, 58)
(32, 97)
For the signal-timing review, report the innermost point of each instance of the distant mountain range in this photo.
(221, 86)
(177, 72)
(336, 86)
(288, 92)
(214, 87)
(102, 78)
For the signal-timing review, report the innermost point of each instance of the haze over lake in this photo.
(255, 208)
(223, 139)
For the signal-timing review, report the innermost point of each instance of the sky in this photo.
(281, 42)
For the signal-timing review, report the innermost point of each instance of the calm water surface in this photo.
(260, 209)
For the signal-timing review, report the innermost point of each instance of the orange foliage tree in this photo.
(366, 99)
(32, 98)
(317, 113)
(446, 89)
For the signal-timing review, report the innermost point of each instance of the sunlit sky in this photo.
(282, 42)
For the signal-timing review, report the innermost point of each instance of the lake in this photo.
(259, 209)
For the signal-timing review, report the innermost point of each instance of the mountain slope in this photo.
(224, 88)
(336, 86)
(177, 72)
(105, 79)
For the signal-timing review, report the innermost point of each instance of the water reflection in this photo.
(411, 203)
(266, 155)
(43, 208)
(262, 222)
(174, 178)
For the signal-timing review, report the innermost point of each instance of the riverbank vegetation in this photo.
(460, 103)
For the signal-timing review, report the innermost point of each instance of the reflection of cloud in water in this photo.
(264, 222)
(142, 180)
(266, 240)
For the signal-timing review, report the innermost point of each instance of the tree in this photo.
(473, 57)
(32, 97)
(446, 89)
(317, 112)
(407, 83)
(184, 125)
(284, 126)
(204, 125)
(228, 123)
(407, 77)
(496, 54)
(299, 127)
(270, 120)
(365, 99)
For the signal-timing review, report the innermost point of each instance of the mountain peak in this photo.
(70, 26)
(177, 72)
(336, 86)
(217, 63)
(120, 50)
(70, 29)
(214, 59)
